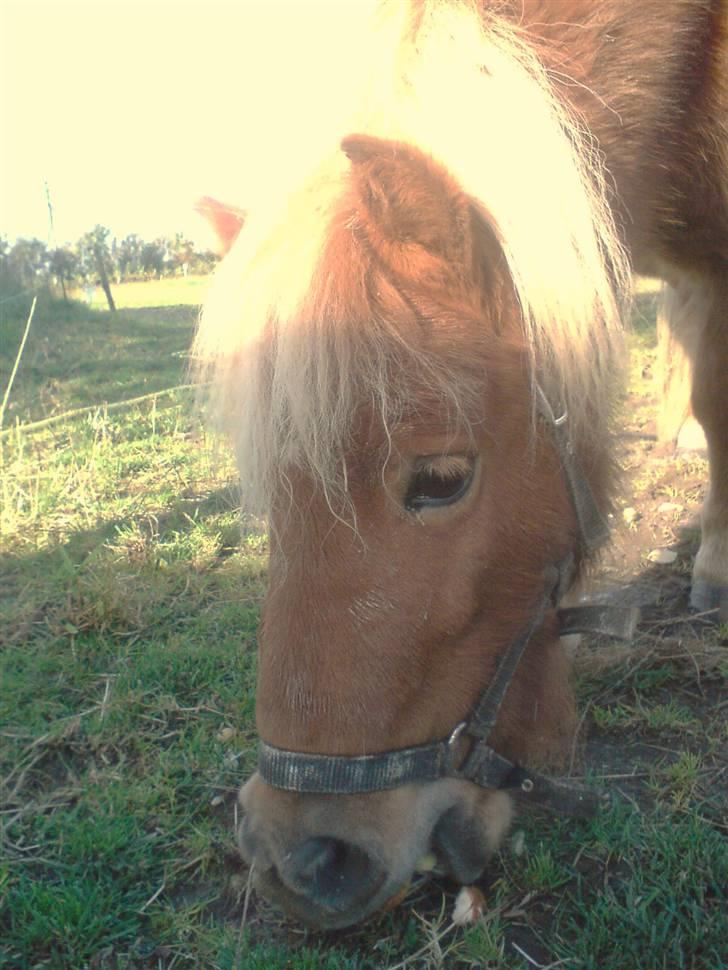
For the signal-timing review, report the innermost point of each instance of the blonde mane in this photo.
(286, 369)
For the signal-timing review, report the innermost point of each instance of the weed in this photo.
(543, 872)
(658, 717)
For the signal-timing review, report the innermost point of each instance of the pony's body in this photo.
(375, 343)
(650, 81)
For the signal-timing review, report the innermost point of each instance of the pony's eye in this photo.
(439, 480)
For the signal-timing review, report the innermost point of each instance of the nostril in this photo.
(316, 855)
(333, 873)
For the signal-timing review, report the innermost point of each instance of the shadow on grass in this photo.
(77, 356)
(70, 555)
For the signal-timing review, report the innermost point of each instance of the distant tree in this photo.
(152, 258)
(87, 249)
(128, 257)
(114, 260)
(27, 261)
(8, 284)
(63, 264)
(96, 258)
(180, 254)
(94, 254)
(204, 262)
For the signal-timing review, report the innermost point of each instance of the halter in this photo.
(348, 775)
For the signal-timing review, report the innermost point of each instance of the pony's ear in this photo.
(226, 221)
(405, 198)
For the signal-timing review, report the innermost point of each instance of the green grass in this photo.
(161, 293)
(129, 598)
(659, 717)
(78, 356)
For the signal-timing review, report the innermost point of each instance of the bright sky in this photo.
(132, 109)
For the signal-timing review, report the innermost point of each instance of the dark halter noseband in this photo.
(347, 775)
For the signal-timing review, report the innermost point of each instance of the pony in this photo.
(415, 342)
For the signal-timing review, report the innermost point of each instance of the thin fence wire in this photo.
(8, 389)
(18, 296)
(34, 426)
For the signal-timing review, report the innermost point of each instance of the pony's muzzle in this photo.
(333, 860)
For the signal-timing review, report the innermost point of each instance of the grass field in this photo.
(129, 598)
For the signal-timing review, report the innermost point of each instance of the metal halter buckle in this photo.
(451, 743)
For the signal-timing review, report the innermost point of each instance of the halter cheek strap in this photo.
(593, 527)
(346, 775)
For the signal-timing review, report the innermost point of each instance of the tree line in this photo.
(29, 264)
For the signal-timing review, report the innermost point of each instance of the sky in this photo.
(130, 110)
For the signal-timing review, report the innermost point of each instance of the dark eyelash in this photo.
(431, 486)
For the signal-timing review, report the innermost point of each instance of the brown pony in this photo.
(414, 347)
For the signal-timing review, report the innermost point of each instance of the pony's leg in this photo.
(682, 312)
(674, 370)
(709, 345)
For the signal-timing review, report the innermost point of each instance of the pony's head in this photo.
(382, 400)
